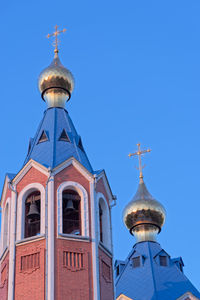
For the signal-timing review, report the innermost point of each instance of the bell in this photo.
(69, 207)
(33, 212)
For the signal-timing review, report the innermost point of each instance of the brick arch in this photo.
(84, 205)
(5, 225)
(106, 221)
(21, 208)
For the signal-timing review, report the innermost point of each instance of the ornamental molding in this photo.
(188, 296)
(5, 188)
(5, 243)
(106, 221)
(123, 297)
(21, 208)
(84, 206)
(103, 176)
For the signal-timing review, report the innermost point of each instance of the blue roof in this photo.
(52, 151)
(151, 281)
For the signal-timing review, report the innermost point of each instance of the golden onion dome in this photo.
(144, 216)
(56, 83)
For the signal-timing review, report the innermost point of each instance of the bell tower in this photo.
(56, 239)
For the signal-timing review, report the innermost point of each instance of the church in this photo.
(56, 231)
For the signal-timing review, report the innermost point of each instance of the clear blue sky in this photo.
(136, 66)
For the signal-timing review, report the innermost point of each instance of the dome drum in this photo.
(147, 226)
(56, 88)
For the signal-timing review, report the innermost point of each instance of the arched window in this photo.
(5, 231)
(71, 212)
(32, 214)
(101, 223)
(104, 222)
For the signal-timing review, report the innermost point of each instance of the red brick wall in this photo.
(33, 175)
(4, 277)
(71, 284)
(106, 276)
(30, 282)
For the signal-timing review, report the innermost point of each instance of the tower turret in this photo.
(143, 216)
(56, 211)
(149, 272)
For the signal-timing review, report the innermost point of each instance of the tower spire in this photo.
(139, 153)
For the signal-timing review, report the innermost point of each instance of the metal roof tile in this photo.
(151, 281)
(53, 152)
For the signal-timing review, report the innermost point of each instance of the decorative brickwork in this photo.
(4, 273)
(74, 261)
(106, 276)
(72, 280)
(30, 262)
(106, 271)
(30, 271)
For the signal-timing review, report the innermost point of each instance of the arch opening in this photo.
(32, 214)
(71, 212)
(5, 231)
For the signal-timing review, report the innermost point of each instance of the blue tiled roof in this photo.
(53, 152)
(151, 281)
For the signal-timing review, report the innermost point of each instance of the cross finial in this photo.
(139, 154)
(56, 33)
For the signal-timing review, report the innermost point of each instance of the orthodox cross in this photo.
(56, 33)
(139, 154)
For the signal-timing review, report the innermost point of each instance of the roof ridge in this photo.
(152, 270)
(35, 138)
(54, 137)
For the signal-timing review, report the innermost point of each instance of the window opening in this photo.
(5, 233)
(43, 137)
(136, 262)
(181, 267)
(71, 212)
(80, 144)
(64, 137)
(163, 260)
(32, 214)
(117, 271)
(29, 145)
(101, 223)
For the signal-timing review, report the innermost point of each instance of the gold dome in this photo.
(56, 83)
(144, 216)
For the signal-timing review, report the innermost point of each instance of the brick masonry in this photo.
(73, 281)
(4, 277)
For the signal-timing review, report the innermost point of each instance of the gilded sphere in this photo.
(57, 78)
(143, 209)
